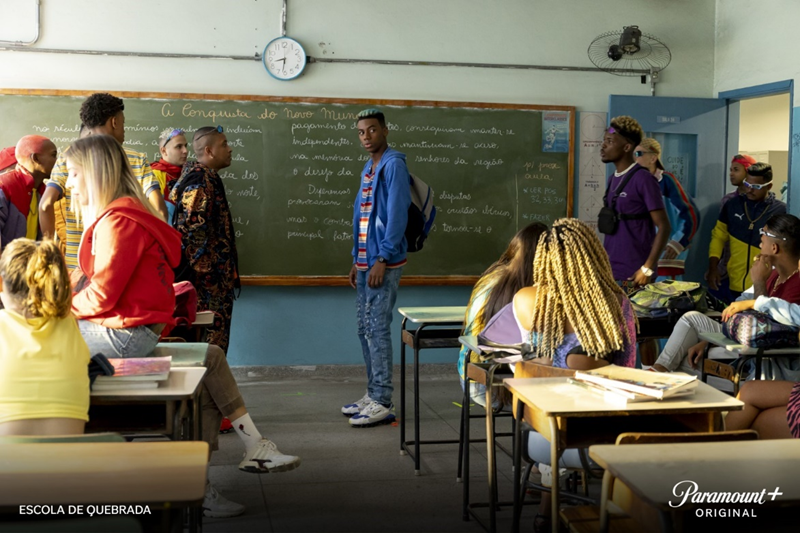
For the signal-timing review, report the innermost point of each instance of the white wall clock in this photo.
(284, 58)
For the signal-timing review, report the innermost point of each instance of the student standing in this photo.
(44, 384)
(203, 217)
(737, 174)
(739, 223)
(101, 113)
(174, 151)
(684, 218)
(643, 228)
(22, 188)
(380, 216)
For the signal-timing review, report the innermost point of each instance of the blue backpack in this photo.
(421, 214)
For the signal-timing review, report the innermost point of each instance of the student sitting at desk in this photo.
(575, 314)
(44, 383)
(124, 296)
(495, 289)
(774, 274)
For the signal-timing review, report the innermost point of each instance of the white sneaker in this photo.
(354, 408)
(264, 457)
(373, 414)
(215, 505)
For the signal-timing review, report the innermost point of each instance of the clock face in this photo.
(284, 58)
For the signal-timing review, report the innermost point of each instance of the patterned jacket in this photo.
(203, 217)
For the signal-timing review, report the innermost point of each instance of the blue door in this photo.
(692, 133)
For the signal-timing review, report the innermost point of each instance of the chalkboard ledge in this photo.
(342, 281)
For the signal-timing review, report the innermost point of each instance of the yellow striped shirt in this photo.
(74, 227)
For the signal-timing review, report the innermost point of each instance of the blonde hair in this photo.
(36, 277)
(575, 284)
(106, 172)
(652, 145)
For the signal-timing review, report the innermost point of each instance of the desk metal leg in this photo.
(491, 459)
(518, 415)
(416, 401)
(402, 387)
(605, 494)
(554, 456)
(465, 409)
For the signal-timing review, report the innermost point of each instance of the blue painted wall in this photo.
(317, 325)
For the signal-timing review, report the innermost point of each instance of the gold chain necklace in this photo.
(747, 214)
(778, 283)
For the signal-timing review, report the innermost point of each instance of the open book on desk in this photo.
(620, 397)
(657, 385)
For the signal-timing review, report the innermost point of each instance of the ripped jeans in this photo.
(374, 307)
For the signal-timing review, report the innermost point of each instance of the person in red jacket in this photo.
(124, 297)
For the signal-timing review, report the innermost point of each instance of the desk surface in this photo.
(434, 315)
(183, 353)
(102, 472)
(719, 339)
(181, 385)
(558, 397)
(652, 470)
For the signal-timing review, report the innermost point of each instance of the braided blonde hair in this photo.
(574, 280)
(36, 278)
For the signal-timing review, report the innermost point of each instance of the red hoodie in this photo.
(127, 256)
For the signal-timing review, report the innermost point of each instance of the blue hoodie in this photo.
(391, 197)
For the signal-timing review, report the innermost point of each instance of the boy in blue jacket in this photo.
(380, 215)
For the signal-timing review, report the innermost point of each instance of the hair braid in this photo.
(573, 274)
(36, 278)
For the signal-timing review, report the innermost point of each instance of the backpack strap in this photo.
(621, 216)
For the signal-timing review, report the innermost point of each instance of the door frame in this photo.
(756, 91)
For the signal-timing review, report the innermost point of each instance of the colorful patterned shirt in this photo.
(74, 227)
(366, 210)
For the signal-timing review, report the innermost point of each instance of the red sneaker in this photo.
(226, 426)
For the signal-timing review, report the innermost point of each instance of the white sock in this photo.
(246, 430)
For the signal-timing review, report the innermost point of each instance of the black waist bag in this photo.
(608, 218)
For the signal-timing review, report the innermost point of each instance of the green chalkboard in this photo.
(297, 162)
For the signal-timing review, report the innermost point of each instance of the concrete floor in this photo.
(355, 480)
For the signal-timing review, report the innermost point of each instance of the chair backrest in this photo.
(529, 369)
(668, 438)
(87, 437)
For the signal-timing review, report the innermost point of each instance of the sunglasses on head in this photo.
(640, 153)
(762, 232)
(173, 133)
(756, 186)
(218, 129)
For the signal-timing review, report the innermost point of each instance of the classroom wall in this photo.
(276, 326)
(756, 44)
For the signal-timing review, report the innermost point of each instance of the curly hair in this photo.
(573, 275)
(628, 128)
(98, 108)
(36, 277)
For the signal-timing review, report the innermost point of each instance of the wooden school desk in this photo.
(184, 354)
(651, 472)
(437, 327)
(178, 396)
(570, 416)
(163, 474)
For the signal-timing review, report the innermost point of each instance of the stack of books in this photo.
(620, 385)
(134, 373)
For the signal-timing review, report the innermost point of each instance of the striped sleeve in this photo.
(142, 171)
(687, 212)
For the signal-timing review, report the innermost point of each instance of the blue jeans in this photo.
(125, 342)
(374, 307)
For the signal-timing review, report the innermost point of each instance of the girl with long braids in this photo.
(575, 314)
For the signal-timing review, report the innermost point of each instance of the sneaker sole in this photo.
(350, 415)
(274, 470)
(209, 514)
(388, 420)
